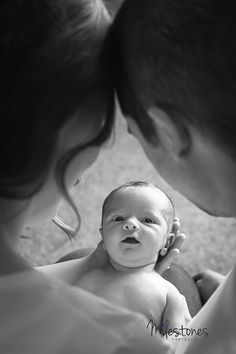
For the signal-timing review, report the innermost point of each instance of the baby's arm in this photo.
(176, 311)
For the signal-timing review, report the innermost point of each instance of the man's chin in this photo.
(212, 211)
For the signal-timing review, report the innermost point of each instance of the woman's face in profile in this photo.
(80, 130)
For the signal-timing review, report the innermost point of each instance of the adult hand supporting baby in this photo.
(78, 263)
(72, 266)
(207, 282)
(164, 263)
(99, 257)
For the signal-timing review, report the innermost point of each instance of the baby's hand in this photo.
(164, 263)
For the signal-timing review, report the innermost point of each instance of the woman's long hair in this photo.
(52, 62)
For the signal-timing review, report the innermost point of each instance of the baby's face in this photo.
(134, 229)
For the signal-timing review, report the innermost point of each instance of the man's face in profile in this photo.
(195, 175)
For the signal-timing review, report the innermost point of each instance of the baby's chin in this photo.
(122, 265)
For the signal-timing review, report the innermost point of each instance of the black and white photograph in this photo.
(118, 177)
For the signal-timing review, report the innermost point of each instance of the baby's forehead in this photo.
(142, 196)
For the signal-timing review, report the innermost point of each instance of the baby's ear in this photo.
(163, 251)
(170, 239)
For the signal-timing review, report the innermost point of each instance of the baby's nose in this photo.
(130, 225)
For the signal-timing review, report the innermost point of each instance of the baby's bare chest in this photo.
(145, 293)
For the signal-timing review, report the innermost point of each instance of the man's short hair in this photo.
(179, 56)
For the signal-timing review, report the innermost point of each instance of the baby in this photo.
(136, 223)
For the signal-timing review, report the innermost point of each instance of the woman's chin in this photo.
(41, 217)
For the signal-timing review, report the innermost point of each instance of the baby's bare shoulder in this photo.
(156, 279)
(149, 294)
(93, 279)
(146, 284)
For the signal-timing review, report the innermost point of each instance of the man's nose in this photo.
(130, 224)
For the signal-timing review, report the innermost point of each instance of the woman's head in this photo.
(55, 87)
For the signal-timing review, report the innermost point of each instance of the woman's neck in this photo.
(12, 217)
(11, 261)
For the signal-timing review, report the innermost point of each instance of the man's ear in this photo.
(170, 239)
(173, 137)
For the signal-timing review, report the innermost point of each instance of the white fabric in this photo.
(40, 315)
(219, 317)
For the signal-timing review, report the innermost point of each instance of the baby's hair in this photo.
(168, 213)
(179, 56)
(53, 63)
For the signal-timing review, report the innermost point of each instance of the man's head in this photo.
(137, 218)
(176, 78)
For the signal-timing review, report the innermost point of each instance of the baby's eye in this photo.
(148, 220)
(118, 218)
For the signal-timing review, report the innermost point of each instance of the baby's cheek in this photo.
(156, 243)
(109, 242)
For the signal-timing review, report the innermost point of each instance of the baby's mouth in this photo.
(130, 240)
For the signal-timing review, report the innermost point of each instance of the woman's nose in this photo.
(130, 225)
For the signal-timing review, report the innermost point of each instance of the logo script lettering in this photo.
(164, 330)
